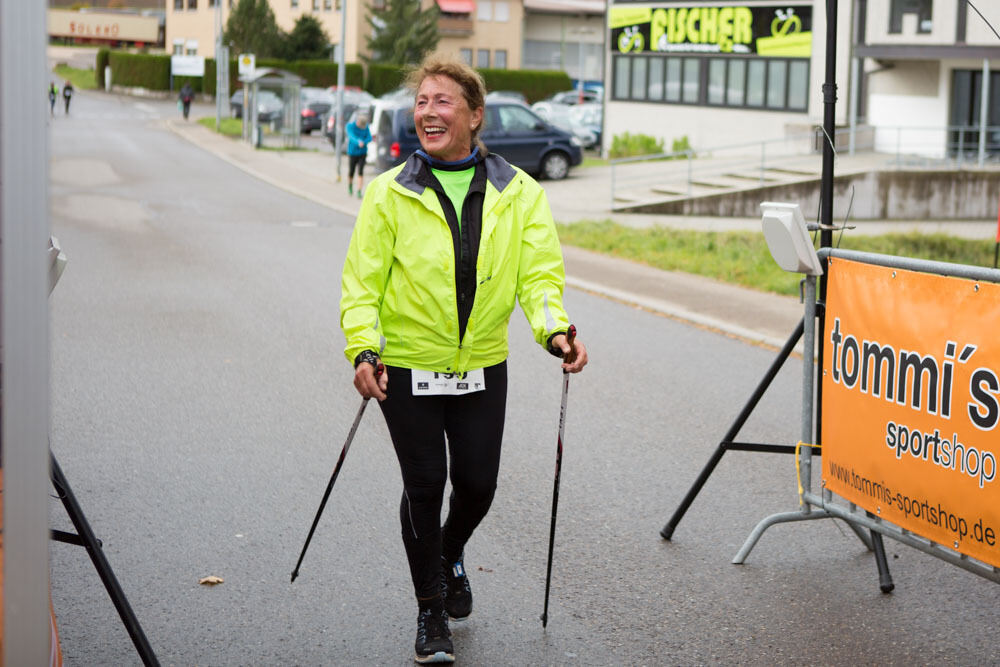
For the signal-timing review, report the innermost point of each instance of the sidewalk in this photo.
(754, 316)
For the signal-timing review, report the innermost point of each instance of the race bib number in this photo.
(431, 383)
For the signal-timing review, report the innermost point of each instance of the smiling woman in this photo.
(443, 247)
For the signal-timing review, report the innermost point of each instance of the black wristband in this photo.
(555, 352)
(366, 356)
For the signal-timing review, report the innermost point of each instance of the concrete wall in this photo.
(879, 195)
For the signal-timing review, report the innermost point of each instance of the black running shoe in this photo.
(433, 638)
(457, 592)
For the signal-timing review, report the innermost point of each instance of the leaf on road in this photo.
(210, 580)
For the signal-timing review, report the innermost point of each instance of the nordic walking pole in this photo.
(570, 335)
(336, 471)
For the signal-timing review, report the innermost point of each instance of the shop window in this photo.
(673, 87)
(716, 81)
(639, 86)
(798, 85)
(656, 79)
(736, 82)
(622, 68)
(692, 81)
(756, 73)
(922, 8)
(777, 77)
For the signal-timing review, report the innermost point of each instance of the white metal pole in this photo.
(984, 108)
(219, 93)
(341, 79)
(24, 337)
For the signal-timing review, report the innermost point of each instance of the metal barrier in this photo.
(824, 505)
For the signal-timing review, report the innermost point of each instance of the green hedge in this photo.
(100, 64)
(383, 78)
(136, 69)
(535, 84)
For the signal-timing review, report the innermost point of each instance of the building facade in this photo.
(484, 33)
(922, 66)
(720, 73)
(724, 73)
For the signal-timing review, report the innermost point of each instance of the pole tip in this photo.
(545, 620)
(294, 574)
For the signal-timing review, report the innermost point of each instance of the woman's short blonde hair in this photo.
(468, 79)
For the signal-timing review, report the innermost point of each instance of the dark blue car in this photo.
(510, 129)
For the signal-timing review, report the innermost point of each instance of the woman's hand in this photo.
(369, 383)
(575, 357)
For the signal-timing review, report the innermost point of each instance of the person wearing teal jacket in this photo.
(358, 136)
(443, 247)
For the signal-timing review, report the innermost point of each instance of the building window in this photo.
(315, 5)
(483, 58)
(178, 5)
(501, 11)
(922, 8)
(639, 84)
(465, 55)
(211, 3)
(736, 77)
(500, 58)
(178, 47)
(192, 4)
(691, 86)
(673, 87)
(779, 84)
(484, 10)
(656, 79)
(294, 4)
(327, 5)
(716, 81)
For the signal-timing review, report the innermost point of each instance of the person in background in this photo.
(187, 94)
(358, 136)
(67, 93)
(442, 248)
(53, 94)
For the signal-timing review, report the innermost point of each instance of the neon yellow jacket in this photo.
(399, 280)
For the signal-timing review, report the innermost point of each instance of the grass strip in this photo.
(230, 127)
(82, 79)
(742, 258)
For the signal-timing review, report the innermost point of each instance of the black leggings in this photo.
(355, 161)
(473, 424)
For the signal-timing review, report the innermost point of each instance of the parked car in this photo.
(510, 129)
(354, 99)
(269, 106)
(560, 115)
(499, 95)
(573, 96)
(590, 117)
(314, 105)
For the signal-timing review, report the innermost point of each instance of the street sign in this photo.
(187, 65)
(247, 63)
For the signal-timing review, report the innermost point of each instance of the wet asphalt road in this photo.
(200, 399)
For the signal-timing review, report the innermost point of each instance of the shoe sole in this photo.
(440, 656)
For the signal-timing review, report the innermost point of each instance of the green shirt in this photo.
(456, 186)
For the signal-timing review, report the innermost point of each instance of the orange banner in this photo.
(911, 402)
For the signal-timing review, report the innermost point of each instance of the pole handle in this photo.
(570, 356)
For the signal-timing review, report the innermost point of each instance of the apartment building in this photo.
(484, 33)
(929, 64)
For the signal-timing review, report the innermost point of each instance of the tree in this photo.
(307, 40)
(251, 28)
(403, 32)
